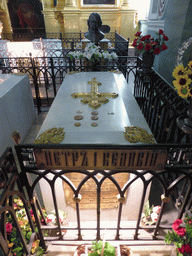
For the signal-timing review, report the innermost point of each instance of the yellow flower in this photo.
(190, 64)
(10, 245)
(178, 71)
(22, 222)
(181, 81)
(35, 245)
(183, 91)
(189, 72)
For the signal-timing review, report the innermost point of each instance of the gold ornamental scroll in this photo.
(89, 193)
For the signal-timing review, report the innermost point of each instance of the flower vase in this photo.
(147, 61)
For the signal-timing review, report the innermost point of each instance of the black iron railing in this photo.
(161, 106)
(47, 73)
(168, 165)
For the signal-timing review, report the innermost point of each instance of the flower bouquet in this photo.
(149, 47)
(149, 44)
(181, 236)
(183, 80)
(93, 54)
(150, 214)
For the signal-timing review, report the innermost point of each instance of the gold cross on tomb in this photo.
(94, 98)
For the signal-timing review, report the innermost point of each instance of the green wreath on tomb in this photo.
(136, 134)
(51, 136)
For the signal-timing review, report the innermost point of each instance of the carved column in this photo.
(59, 18)
(5, 19)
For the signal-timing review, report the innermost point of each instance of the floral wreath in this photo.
(183, 75)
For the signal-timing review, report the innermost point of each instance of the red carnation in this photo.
(147, 47)
(140, 46)
(185, 248)
(181, 231)
(165, 38)
(9, 228)
(176, 224)
(160, 32)
(164, 47)
(138, 33)
(157, 50)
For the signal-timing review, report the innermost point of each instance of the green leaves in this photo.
(109, 250)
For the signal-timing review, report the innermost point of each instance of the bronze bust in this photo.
(94, 23)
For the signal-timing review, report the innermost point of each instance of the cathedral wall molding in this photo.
(155, 25)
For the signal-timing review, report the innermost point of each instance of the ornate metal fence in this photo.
(47, 73)
(161, 106)
(169, 164)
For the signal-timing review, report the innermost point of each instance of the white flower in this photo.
(154, 216)
(156, 209)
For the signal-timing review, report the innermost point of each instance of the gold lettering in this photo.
(140, 159)
(85, 159)
(66, 158)
(48, 158)
(95, 158)
(57, 158)
(131, 159)
(123, 159)
(105, 159)
(153, 159)
(114, 159)
(75, 157)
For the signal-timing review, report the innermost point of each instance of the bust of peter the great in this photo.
(94, 23)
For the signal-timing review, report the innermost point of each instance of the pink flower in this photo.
(181, 231)
(31, 212)
(176, 227)
(176, 224)
(9, 228)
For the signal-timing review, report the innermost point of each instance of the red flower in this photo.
(31, 212)
(134, 42)
(181, 231)
(147, 47)
(185, 248)
(157, 50)
(160, 32)
(176, 224)
(48, 220)
(181, 250)
(140, 46)
(164, 47)
(9, 228)
(143, 38)
(147, 37)
(165, 38)
(138, 34)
